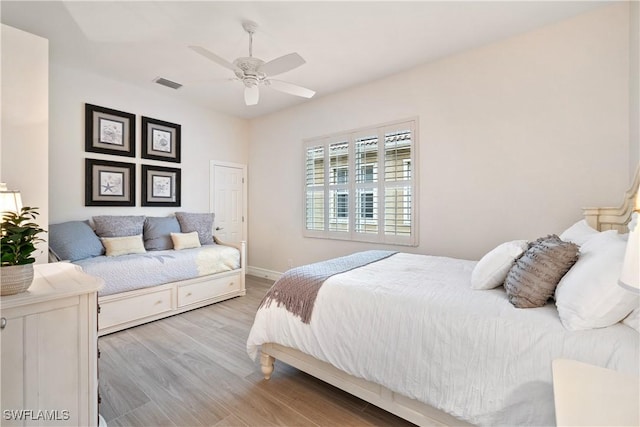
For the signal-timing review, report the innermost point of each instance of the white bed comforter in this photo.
(412, 323)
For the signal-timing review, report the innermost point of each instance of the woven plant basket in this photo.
(15, 278)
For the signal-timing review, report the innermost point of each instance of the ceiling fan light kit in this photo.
(254, 72)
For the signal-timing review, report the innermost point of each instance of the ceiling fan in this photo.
(254, 72)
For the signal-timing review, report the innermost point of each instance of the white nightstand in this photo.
(48, 348)
(587, 395)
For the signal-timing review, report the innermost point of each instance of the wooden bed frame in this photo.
(127, 309)
(412, 410)
(603, 219)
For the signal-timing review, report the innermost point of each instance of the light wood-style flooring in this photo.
(192, 369)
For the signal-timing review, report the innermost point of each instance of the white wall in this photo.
(515, 137)
(24, 131)
(634, 88)
(206, 135)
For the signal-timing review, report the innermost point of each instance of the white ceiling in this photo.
(344, 43)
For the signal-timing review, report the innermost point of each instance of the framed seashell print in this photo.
(160, 140)
(109, 131)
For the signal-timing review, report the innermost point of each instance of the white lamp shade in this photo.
(10, 200)
(630, 277)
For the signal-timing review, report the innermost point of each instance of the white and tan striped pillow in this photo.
(535, 275)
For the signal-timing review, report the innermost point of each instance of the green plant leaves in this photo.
(18, 236)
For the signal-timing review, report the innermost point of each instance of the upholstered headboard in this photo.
(603, 219)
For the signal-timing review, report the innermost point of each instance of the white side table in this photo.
(587, 395)
(48, 349)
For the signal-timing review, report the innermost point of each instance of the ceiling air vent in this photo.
(168, 83)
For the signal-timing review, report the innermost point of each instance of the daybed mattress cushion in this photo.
(129, 272)
(413, 324)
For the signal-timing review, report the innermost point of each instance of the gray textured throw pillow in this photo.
(535, 275)
(118, 225)
(157, 232)
(200, 222)
(73, 241)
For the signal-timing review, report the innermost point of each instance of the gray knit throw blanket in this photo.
(298, 288)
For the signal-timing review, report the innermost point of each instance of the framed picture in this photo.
(160, 186)
(109, 131)
(160, 140)
(109, 183)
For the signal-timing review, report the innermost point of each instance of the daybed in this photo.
(153, 267)
(421, 337)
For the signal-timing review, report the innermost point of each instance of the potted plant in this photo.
(19, 234)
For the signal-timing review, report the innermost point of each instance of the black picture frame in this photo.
(109, 131)
(160, 186)
(109, 183)
(160, 140)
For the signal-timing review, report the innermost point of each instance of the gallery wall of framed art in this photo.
(113, 183)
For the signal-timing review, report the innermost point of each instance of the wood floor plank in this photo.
(144, 416)
(192, 369)
(163, 340)
(120, 392)
(322, 409)
(231, 421)
(155, 376)
(182, 401)
(251, 405)
(231, 354)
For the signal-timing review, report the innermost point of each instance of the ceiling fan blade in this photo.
(213, 57)
(282, 64)
(251, 95)
(291, 88)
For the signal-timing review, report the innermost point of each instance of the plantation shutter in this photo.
(361, 185)
(314, 185)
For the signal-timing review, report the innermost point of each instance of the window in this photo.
(366, 205)
(340, 175)
(342, 205)
(360, 185)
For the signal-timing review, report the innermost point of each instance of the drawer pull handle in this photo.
(188, 294)
(3, 323)
(158, 302)
(231, 284)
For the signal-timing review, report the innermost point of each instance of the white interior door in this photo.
(228, 201)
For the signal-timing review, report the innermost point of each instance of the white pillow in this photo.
(589, 296)
(633, 319)
(185, 240)
(578, 233)
(116, 246)
(492, 269)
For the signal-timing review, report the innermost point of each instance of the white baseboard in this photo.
(263, 273)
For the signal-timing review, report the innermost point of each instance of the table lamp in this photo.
(10, 200)
(630, 276)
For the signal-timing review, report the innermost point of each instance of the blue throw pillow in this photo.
(74, 240)
(157, 232)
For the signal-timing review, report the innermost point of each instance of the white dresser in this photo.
(48, 345)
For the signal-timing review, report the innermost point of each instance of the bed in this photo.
(147, 275)
(432, 350)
